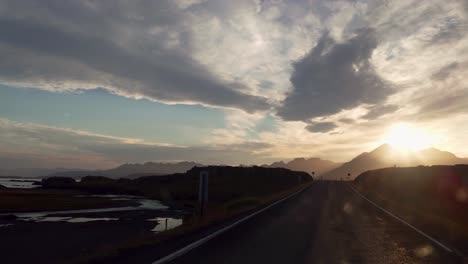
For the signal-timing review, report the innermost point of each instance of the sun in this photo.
(408, 138)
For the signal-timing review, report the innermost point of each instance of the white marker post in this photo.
(203, 192)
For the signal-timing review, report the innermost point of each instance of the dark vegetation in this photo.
(225, 184)
(434, 198)
(27, 200)
(233, 192)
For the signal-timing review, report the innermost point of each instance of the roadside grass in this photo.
(217, 215)
(244, 202)
(428, 216)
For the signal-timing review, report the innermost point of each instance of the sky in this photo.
(94, 84)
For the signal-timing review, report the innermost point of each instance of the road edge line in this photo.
(216, 233)
(435, 241)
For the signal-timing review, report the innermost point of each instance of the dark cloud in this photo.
(445, 71)
(444, 106)
(347, 120)
(333, 77)
(72, 43)
(450, 29)
(321, 127)
(380, 110)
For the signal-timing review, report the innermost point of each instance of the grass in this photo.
(242, 203)
(424, 197)
(216, 215)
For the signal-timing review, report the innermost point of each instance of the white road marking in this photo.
(200, 242)
(440, 244)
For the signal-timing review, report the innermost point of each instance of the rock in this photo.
(96, 180)
(58, 182)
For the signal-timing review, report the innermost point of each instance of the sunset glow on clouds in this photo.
(94, 84)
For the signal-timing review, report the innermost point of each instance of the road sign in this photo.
(203, 192)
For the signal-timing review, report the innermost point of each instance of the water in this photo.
(90, 219)
(166, 223)
(41, 217)
(144, 204)
(113, 196)
(66, 216)
(19, 183)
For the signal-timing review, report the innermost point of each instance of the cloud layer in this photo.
(321, 74)
(26, 145)
(126, 51)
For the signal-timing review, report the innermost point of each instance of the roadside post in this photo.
(203, 192)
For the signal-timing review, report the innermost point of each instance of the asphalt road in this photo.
(327, 223)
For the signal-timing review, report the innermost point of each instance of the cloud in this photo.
(380, 110)
(334, 77)
(445, 71)
(347, 120)
(300, 59)
(321, 127)
(444, 106)
(449, 29)
(132, 52)
(26, 145)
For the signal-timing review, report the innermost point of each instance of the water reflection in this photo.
(38, 217)
(18, 183)
(165, 223)
(76, 216)
(90, 219)
(144, 204)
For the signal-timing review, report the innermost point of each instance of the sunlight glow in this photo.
(407, 137)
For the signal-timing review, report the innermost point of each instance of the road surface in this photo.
(327, 223)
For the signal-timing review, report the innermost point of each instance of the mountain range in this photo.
(316, 165)
(386, 156)
(122, 171)
(134, 170)
(381, 157)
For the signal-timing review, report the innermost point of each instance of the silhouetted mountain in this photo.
(317, 165)
(386, 156)
(134, 170)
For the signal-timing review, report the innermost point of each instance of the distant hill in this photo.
(134, 170)
(386, 156)
(317, 165)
